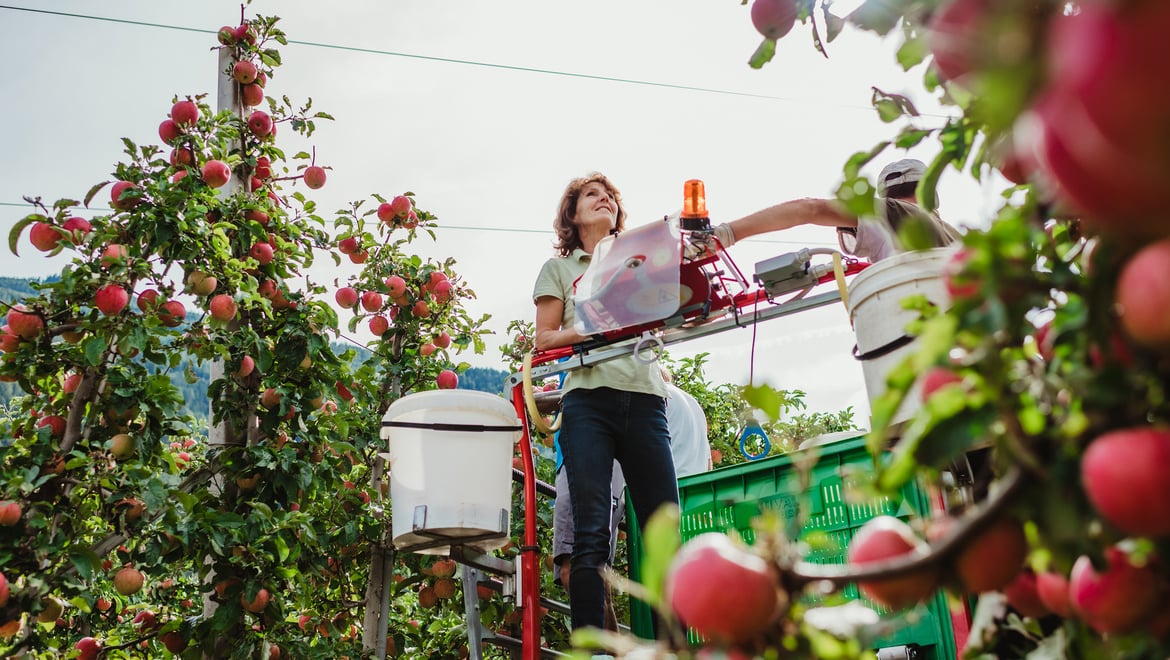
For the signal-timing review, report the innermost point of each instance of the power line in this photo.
(512, 230)
(450, 60)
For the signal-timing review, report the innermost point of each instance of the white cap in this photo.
(907, 170)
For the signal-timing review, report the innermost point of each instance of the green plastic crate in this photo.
(729, 498)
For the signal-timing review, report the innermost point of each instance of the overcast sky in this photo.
(486, 110)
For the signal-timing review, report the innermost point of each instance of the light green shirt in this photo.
(558, 278)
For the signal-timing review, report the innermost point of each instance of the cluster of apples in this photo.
(1093, 134)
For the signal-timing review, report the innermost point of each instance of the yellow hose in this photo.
(839, 274)
(530, 401)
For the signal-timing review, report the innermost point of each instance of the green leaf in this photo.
(764, 53)
(888, 111)
(912, 53)
(94, 347)
(281, 548)
(660, 542)
(14, 234)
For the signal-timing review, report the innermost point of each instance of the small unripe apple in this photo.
(111, 299)
(723, 591)
(185, 113)
(447, 380)
(216, 173)
(314, 177)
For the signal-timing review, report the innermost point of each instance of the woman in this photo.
(615, 410)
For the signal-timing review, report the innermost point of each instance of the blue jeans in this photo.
(600, 426)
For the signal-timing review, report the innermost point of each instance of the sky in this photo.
(485, 111)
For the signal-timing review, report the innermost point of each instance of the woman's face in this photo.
(596, 206)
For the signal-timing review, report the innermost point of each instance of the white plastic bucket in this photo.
(875, 309)
(450, 468)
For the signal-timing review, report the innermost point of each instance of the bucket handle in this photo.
(882, 350)
(530, 401)
(443, 426)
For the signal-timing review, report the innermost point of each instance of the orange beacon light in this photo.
(694, 213)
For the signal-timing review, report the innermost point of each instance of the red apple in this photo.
(447, 380)
(885, 538)
(263, 168)
(9, 342)
(173, 641)
(270, 398)
(258, 603)
(359, 257)
(955, 37)
(343, 392)
(773, 18)
(1143, 295)
(346, 296)
(128, 581)
(379, 325)
(372, 301)
(994, 557)
(262, 252)
(56, 424)
(226, 35)
(1117, 600)
(386, 213)
(443, 340)
(959, 284)
(182, 157)
(23, 322)
(314, 177)
(442, 291)
(169, 131)
(401, 206)
(78, 229)
(87, 648)
(111, 299)
(936, 378)
(1023, 595)
(172, 313)
(216, 173)
(222, 307)
(348, 245)
(723, 591)
(247, 364)
(3, 590)
(260, 123)
(120, 203)
(252, 95)
(69, 385)
(1125, 473)
(244, 72)
(10, 513)
(114, 254)
(147, 300)
(395, 286)
(421, 309)
(185, 113)
(267, 289)
(426, 349)
(244, 34)
(44, 236)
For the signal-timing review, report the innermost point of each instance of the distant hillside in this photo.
(195, 394)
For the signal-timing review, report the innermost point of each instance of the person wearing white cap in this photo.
(869, 238)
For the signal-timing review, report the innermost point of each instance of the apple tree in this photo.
(127, 529)
(1044, 380)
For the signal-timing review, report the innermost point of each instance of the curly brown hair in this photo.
(568, 238)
